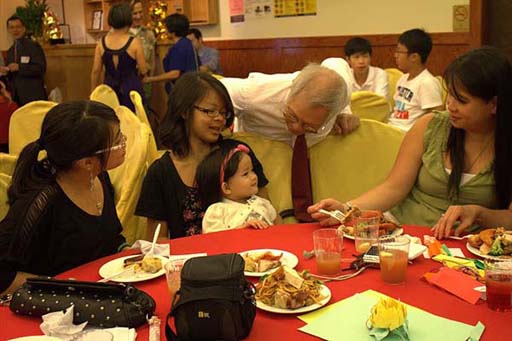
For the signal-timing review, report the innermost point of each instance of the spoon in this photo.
(155, 237)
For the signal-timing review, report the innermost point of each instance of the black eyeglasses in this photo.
(212, 113)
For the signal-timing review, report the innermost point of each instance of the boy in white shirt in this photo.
(358, 52)
(417, 91)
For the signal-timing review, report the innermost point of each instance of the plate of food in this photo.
(387, 225)
(286, 291)
(263, 261)
(133, 268)
(495, 243)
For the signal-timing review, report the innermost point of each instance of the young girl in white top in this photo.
(228, 187)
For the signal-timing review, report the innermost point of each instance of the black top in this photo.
(27, 84)
(45, 233)
(163, 192)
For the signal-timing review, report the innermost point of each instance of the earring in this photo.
(91, 182)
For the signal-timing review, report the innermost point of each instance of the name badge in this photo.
(25, 59)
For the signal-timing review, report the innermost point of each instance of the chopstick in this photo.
(128, 269)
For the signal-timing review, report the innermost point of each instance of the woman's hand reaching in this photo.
(466, 215)
(329, 205)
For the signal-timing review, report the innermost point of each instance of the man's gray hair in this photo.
(322, 86)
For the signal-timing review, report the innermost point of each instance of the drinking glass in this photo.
(393, 258)
(173, 275)
(366, 233)
(498, 284)
(328, 244)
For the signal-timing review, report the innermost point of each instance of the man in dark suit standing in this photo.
(26, 65)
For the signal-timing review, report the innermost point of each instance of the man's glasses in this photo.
(291, 117)
(212, 113)
(119, 144)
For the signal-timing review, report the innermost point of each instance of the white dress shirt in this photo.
(377, 82)
(260, 98)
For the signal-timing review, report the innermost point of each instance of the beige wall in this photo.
(334, 17)
(342, 17)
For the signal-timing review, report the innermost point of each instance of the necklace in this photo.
(480, 153)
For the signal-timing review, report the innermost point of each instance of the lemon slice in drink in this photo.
(363, 247)
(385, 254)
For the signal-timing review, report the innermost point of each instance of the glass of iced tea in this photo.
(366, 233)
(328, 244)
(498, 283)
(393, 258)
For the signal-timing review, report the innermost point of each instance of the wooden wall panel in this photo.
(239, 57)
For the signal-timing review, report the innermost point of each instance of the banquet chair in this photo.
(104, 94)
(141, 114)
(25, 125)
(5, 181)
(128, 177)
(276, 158)
(393, 77)
(369, 105)
(444, 89)
(343, 167)
(7, 163)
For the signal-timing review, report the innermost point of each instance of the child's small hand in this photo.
(257, 224)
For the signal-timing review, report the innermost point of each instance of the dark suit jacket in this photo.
(27, 84)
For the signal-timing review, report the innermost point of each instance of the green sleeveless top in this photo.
(428, 198)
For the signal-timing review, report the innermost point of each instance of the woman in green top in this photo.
(453, 166)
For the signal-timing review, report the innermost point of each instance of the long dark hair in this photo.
(190, 89)
(70, 132)
(208, 179)
(485, 73)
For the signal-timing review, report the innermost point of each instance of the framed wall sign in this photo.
(97, 20)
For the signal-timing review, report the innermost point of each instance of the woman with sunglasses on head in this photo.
(62, 212)
(453, 168)
(199, 110)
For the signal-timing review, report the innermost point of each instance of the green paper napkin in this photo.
(346, 320)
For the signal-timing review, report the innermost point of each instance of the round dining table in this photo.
(295, 238)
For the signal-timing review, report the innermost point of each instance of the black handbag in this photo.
(101, 304)
(215, 302)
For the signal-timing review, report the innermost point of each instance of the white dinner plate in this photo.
(477, 252)
(117, 265)
(396, 232)
(36, 338)
(323, 290)
(288, 259)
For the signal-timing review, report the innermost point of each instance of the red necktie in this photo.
(302, 196)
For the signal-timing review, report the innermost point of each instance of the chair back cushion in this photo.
(104, 94)
(345, 167)
(444, 89)
(369, 105)
(127, 178)
(393, 77)
(141, 114)
(7, 163)
(25, 125)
